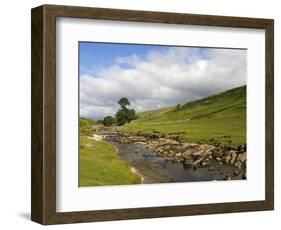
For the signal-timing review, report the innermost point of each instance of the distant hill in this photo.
(217, 118)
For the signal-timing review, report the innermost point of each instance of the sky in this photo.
(152, 76)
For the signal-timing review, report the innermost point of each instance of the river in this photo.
(156, 169)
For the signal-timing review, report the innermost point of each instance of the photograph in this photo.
(160, 114)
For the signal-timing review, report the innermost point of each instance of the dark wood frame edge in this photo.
(43, 157)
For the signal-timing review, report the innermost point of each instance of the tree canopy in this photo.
(123, 102)
(108, 121)
(125, 115)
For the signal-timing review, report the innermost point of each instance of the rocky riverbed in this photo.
(191, 155)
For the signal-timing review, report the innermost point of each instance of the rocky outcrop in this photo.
(190, 154)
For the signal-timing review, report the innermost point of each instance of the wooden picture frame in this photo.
(43, 189)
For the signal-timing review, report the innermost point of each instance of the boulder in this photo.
(205, 163)
(197, 155)
(211, 168)
(233, 156)
(171, 153)
(236, 173)
(197, 162)
(187, 163)
(227, 177)
(217, 152)
(241, 157)
(240, 160)
(179, 154)
(190, 146)
(139, 142)
(227, 158)
(186, 154)
(218, 159)
(238, 164)
(242, 148)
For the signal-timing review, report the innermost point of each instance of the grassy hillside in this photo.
(99, 161)
(86, 126)
(217, 118)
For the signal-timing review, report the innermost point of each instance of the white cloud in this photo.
(162, 78)
(130, 60)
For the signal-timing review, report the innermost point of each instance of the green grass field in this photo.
(219, 118)
(100, 163)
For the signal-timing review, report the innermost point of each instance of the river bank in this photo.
(100, 164)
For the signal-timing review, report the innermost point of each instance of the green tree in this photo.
(108, 121)
(125, 115)
(131, 115)
(123, 102)
(121, 117)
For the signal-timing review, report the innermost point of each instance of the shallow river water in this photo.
(155, 169)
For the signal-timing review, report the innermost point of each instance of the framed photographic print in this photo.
(140, 114)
